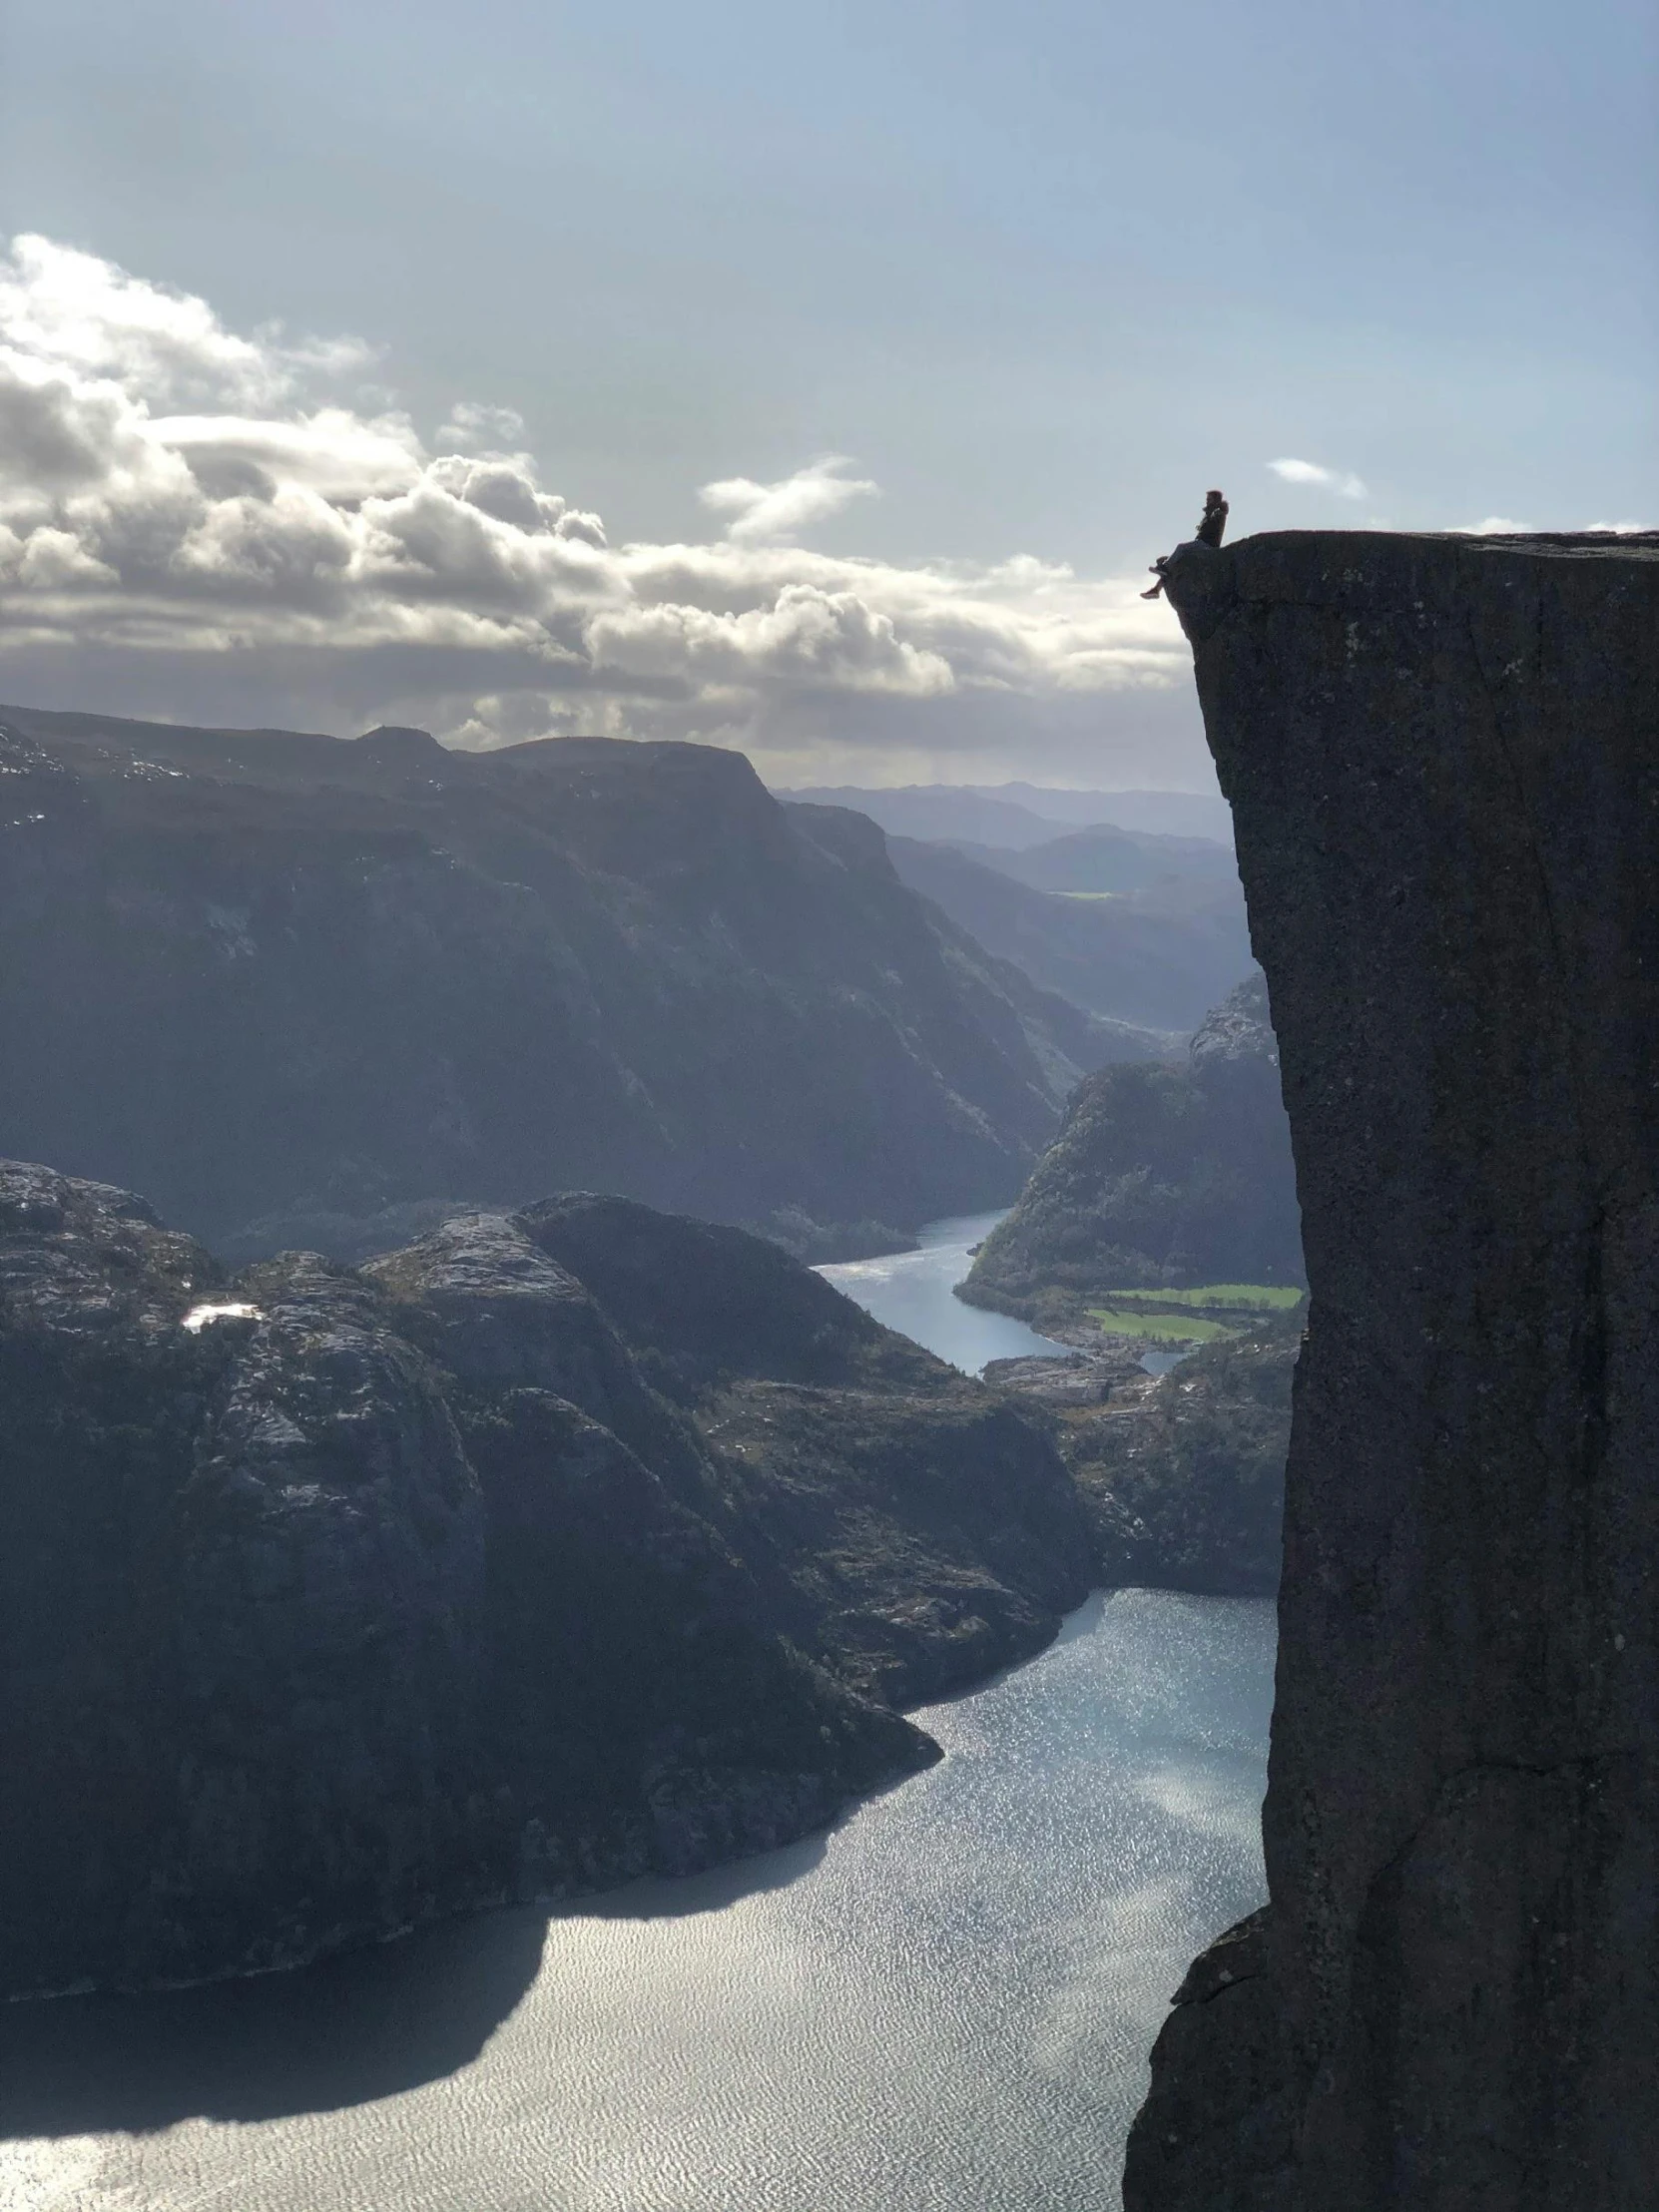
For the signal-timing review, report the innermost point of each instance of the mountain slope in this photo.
(1162, 1175)
(291, 986)
(935, 810)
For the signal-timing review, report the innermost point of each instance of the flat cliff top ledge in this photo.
(1358, 569)
(1443, 757)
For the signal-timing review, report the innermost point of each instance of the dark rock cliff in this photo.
(1442, 756)
(293, 988)
(461, 1578)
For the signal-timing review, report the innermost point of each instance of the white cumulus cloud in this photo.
(1325, 479)
(198, 523)
(473, 427)
(770, 514)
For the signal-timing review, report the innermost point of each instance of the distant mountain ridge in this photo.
(1015, 815)
(1158, 813)
(295, 986)
(1165, 874)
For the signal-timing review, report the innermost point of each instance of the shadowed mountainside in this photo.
(460, 1580)
(1161, 1174)
(296, 988)
(1183, 1476)
(1443, 755)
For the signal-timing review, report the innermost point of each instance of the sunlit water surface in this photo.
(947, 2002)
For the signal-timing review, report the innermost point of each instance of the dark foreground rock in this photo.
(1442, 756)
(375, 1596)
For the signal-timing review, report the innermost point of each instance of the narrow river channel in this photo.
(947, 2002)
(915, 1293)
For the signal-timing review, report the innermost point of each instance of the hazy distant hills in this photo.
(1140, 923)
(1019, 814)
(1172, 874)
(1135, 959)
(291, 986)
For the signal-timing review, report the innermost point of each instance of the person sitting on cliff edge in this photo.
(1211, 524)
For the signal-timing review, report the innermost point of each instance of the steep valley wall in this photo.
(1443, 755)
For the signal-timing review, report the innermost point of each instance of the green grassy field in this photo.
(1198, 1315)
(1255, 1298)
(1177, 1328)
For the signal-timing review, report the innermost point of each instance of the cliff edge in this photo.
(1442, 756)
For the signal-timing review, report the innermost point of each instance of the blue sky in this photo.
(1041, 273)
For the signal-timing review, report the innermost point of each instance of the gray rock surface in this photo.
(1063, 1380)
(334, 1600)
(1442, 756)
(902, 1522)
(1183, 1476)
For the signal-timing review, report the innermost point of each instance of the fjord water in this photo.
(946, 2002)
(913, 1293)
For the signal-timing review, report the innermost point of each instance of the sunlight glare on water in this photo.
(945, 2004)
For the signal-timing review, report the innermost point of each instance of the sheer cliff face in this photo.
(1442, 756)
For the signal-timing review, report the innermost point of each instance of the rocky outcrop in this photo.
(1442, 756)
(333, 1600)
(1162, 1175)
(316, 993)
(894, 1515)
(1183, 1475)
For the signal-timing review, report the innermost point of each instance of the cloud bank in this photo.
(207, 525)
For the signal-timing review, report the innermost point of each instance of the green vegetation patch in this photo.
(1255, 1298)
(1178, 1328)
